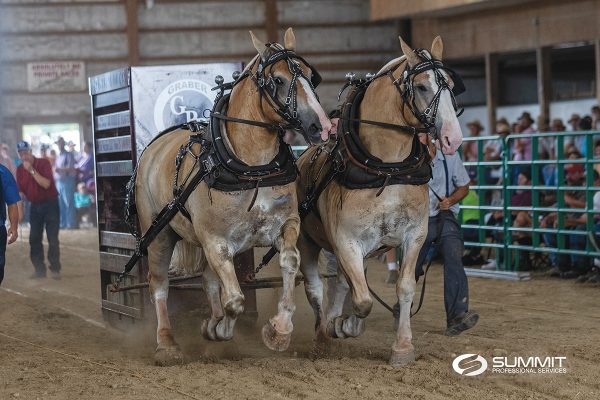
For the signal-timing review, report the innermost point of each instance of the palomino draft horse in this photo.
(369, 190)
(246, 197)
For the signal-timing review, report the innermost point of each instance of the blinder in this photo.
(268, 84)
(429, 115)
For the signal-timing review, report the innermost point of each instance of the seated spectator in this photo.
(519, 219)
(557, 125)
(596, 118)
(569, 267)
(597, 156)
(521, 148)
(84, 205)
(493, 152)
(574, 122)
(471, 217)
(577, 142)
(470, 149)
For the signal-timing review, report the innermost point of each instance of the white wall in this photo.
(558, 109)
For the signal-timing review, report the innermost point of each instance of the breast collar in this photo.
(229, 173)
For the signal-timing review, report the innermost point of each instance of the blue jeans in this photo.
(44, 215)
(451, 248)
(2, 250)
(566, 262)
(66, 197)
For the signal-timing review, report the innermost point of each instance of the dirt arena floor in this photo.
(54, 344)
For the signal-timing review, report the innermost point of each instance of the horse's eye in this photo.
(279, 81)
(421, 88)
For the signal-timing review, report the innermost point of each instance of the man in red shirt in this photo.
(35, 181)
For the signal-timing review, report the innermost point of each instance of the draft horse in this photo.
(367, 192)
(245, 195)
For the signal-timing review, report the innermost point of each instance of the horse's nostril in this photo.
(313, 129)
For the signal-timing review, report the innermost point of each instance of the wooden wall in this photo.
(513, 28)
(335, 35)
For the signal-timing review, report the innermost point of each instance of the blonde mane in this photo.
(391, 64)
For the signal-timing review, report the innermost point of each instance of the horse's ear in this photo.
(289, 40)
(409, 53)
(437, 48)
(259, 46)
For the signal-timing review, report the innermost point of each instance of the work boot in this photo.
(462, 323)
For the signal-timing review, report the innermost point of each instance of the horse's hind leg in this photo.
(277, 332)
(313, 286)
(403, 351)
(221, 262)
(159, 257)
(351, 261)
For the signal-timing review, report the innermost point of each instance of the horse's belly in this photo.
(262, 225)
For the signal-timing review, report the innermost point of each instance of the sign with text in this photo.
(166, 96)
(59, 76)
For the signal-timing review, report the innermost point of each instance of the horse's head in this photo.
(287, 84)
(428, 89)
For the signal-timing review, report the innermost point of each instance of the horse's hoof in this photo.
(334, 328)
(208, 329)
(399, 360)
(165, 357)
(274, 340)
(353, 326)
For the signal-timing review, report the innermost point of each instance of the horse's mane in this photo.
(391, 64)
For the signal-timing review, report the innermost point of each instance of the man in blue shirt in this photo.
(9, 196)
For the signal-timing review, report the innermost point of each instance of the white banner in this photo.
(60, 76)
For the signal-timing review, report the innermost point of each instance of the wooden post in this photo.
(544, 80)
(597, 51)
(131, 9)
(491, 90)
(271, 20)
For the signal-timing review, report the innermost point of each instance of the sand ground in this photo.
(54, 343)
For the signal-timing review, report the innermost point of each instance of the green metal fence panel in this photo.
(521, 152)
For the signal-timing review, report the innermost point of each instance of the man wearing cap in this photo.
(65, 176)
(9, 196)
(470, 149)
(35, 181)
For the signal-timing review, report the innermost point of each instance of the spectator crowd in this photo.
(550, 172)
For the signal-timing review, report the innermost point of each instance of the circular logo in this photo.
(469, 364)
(182, 101)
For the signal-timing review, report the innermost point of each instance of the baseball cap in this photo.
(571, 168)
(23, 145)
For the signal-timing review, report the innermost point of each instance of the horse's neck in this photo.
(251, 144)
(382, 102)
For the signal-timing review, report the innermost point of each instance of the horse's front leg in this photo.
(351, 261)
(220, 260)
(403, 352)
(277, 332)
(159, 257)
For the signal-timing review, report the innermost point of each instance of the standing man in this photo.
(449, 185)
(35, 181)
(9, 196)
(65, 176)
